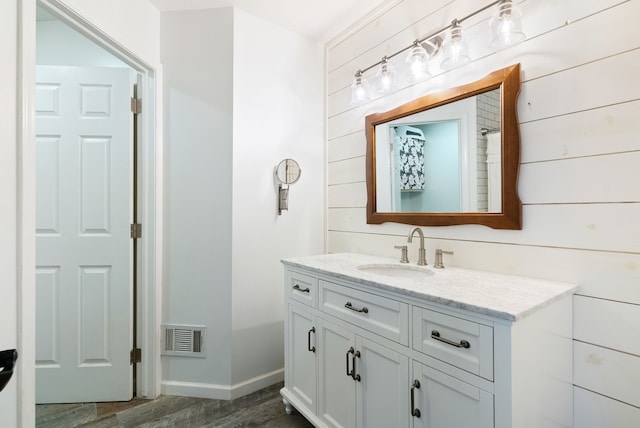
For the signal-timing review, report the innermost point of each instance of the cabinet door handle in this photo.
(350, 351)
(353, 372)
(349, 305)
(309, 347)
(416, 385)
(303, 290)
(435, 334)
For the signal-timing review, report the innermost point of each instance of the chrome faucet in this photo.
(422, 254)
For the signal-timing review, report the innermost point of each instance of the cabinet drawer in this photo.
(456, 341)
(303, 288)
(386, 317)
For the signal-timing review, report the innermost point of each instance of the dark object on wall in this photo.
(8, 360)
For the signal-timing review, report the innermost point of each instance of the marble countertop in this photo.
(507, 297)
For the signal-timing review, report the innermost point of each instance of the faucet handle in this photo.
(404, 254)
(438, 261)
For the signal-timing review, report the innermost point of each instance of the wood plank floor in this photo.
(263, 408)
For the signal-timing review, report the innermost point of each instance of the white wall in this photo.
(240, 95)
(197, 54)
(579, 177)
(277, 113)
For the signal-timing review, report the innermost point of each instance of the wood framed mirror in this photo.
(448, 158)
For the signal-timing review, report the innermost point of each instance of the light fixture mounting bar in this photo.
(361, 71)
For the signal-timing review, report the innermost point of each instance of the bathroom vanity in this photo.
(371, 342)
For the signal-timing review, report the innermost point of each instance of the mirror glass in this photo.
(441, 160)
(448, 158)
(288, 171)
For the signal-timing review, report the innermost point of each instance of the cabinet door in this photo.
(382, 395)
(336, 387)
(302, 357)
(446, 402)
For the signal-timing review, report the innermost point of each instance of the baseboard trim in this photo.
(221, 392)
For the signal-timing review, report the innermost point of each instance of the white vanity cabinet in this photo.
(363, 351)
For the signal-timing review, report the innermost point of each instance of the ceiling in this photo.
(319, 20)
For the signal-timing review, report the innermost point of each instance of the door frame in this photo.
(149, 266)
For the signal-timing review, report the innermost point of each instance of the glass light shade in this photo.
(418, 63)
(506, 26)
(360, 92)
(386, 77)
(456, 49)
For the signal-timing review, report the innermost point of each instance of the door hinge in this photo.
(136, 231)
(135, 356)
(136, 105)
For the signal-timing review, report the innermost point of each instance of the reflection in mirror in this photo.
(448, 158)
(439, 160)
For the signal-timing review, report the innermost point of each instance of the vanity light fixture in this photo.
(506, 30)
(360, 92)
(506, 26)
(386, 77)
(456, 48)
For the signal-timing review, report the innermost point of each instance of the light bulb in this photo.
(360, 93)
(456, 51)
(506, 26)
(386, 76)
(417, 61)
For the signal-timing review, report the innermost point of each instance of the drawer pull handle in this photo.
(416, 385)
(364, 309)
(353, 373)
(350, 351)
(303, 290)
(309, 347)
(435, 334)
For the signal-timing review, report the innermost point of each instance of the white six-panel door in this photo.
(84, 199)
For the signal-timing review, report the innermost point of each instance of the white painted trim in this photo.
(196, 389)
(325, 152)
(153, 360)
(150, 257)
(247, 387)
(150, 193)
(222, 392)
(25, 212)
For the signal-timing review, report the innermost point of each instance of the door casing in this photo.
(149, 195)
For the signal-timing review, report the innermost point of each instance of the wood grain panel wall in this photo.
(579, 113)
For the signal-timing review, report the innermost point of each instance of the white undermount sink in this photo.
(396, 271)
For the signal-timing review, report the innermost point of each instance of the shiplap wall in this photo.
(579, 113)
